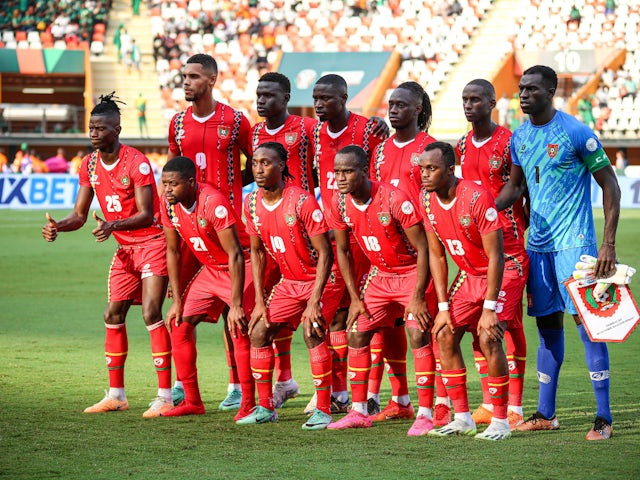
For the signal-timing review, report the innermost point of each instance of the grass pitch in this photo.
(51, 338)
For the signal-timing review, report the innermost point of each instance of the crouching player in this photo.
(204, 218)
(462, 217)
(286, 221)
(389, 230)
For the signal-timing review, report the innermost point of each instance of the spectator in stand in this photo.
(621, 160)
(4, 162)
(141, 109)
(574, 17)
(629, 88)
(57, 163)
(74, 164)
(585, 111)
(503, 110)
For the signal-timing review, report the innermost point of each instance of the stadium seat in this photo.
(97, 47)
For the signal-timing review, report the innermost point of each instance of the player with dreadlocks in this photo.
(122, 180)
(286, 222)
(396, 162)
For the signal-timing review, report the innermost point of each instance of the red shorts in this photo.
(288, 299)
(133, 263)
(467, 296)
(361, 266)
(210, 291)
(386, 295)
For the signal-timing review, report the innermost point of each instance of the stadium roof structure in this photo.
(42, 61)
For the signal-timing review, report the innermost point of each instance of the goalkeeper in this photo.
(555, 156)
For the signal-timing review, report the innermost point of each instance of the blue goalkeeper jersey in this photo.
(557, 160)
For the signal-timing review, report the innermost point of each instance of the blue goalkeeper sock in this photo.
(597, 356)
(550, 357)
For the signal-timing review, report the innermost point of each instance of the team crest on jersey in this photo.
(552, 149)
(415, 159)
(523, 148)
(494, 162)
(385, 218)
(124, 180)
(202, 222)
(465, 220)
(94, 180)
(290, 138)
(290, 219)
(223, 132)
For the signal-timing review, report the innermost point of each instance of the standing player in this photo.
(485, 159)
(389, 230)
(203, 217)
(122, 180)
(295, 133)
(462, 217)
(554, 156)
(214, 135)
(339, 128)
(286, 221)
(396, 162)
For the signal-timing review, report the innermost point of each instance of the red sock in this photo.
(231, 360)
(320, 359)
(455, 382)
(359, 365)
(377, 363)
(282, 351)
(242, 350)
(339, 353)
(482, 367)
(185, 357)
(161, 352)
(395, 354)
(441, 391)
(425, 367)
(116, 348)
(516, 344)
(262, 361)
(499, 389)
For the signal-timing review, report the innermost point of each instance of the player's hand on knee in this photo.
(237, 320)
(442, 320)
(490, 326)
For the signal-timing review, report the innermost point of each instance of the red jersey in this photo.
(400, 165)
(214, 145)
(114, 186)
(296, 135)
(199, 226)
(359, 131)
(286, 230)
(379, 226)
(489, 165)
(461, 224)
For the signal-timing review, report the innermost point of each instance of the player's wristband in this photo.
(489, 304)
(443, 306)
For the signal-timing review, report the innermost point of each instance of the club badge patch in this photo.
(465, 220)
(385, 218)
(124, 180)
(407, 207)
(552, 149)
(290, 138)
(202, 222)
(290, 219)
(495, 162)
(223, 132)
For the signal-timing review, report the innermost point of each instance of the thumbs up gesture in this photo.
(103, 229)
(50, 229)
